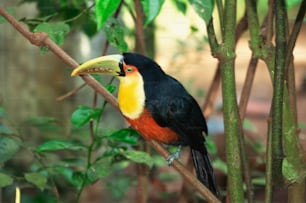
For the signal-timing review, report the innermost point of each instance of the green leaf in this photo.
(221, 165)
(90, 27)
(111, 88)
(204, 8)
(74, 162)
(45, 124)
(83, 114)
(5, 180)
(120, 187)
(6, 130)
(55, 145)
(99, 169)
(115, 34)
(257, 145)
(247, 125)
(41, 120)
(211, 146)
(104, 9)
(98, 77)
(8, 147)
(56, 31)
(138, 157)
(181, 5)
(291, 173)
(259, 181)
(77, 179)
(74, 178)
(2, 20)
(2, 112)
(151, 9)
(37, 179)
(166, 176)
(126, 135)
(290, 3)
(194, 29)
(158, 160)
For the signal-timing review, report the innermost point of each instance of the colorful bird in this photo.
(157, 106)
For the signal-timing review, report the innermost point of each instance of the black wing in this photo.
(172, 106)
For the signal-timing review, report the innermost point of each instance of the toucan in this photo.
(157, 106)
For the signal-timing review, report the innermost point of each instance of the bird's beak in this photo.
(107, 65)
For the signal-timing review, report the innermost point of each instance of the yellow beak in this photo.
(107, 65)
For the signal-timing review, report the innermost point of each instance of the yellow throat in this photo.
(131, 96)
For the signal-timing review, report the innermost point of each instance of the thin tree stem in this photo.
(278, 86)
(292, 147)
(212, 93)
(230, 107)
(276, 147)
(246, 90)
(140, 38)
(221, 17)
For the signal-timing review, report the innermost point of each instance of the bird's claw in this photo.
(173, 156)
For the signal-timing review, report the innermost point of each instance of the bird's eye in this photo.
(129, 69)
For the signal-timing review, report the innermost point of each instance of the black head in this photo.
(146, 66)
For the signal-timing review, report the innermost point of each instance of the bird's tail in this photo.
(204, 169)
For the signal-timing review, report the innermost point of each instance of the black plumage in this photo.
(172, 106)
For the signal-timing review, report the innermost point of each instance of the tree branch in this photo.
(232, 123)
(140, 39)
(71, 92)
(42, 39)
(292, 146)
(278, 87)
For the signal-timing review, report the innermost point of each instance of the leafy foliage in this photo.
(37, 179)
(5, 180)
(181, 5)
(139, 157)
(104, 9)
(290, 3)
(204, 8)
(125, 135)
(55, 145)
(9, 143)
(77, 169)
(83, 114)
(56, 31)
(115, 34)
(151, 9)
(8, 148)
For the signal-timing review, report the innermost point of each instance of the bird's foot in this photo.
(174, 155)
